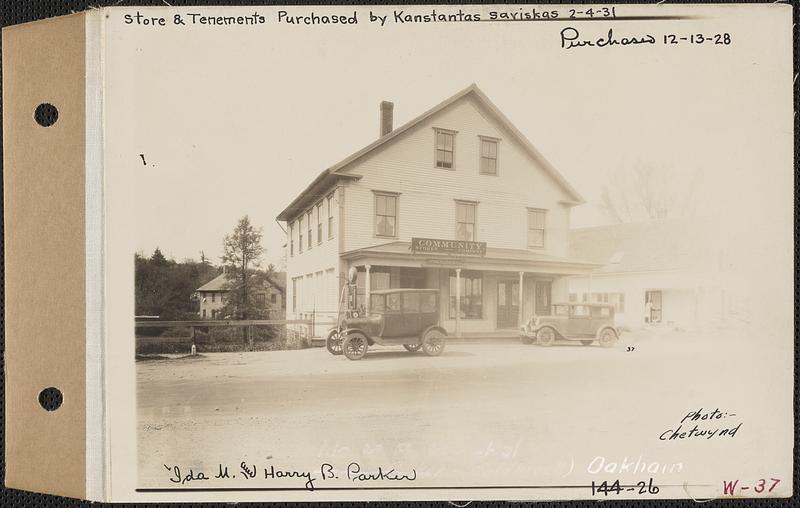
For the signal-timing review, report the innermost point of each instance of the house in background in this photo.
(657, 273)
(456, 200)
(212, 296)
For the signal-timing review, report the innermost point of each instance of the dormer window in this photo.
(445, 148)
(488, 156)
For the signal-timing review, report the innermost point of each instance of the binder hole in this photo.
(46, 114)
(51, 398)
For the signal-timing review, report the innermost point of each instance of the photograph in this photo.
(384, 253)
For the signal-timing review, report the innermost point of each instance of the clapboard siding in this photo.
(315, 270)
(427, 194)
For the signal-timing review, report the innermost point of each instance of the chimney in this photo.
(387, 114)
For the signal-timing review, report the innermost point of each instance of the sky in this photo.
(238, 120)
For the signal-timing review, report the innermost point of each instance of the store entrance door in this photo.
(507, 304)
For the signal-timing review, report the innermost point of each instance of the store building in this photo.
(456, 199)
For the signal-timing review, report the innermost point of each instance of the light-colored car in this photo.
(584, 322)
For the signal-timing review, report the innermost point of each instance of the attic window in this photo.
(616, 258)
(488, 164)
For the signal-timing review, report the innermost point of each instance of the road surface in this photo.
(479, 414)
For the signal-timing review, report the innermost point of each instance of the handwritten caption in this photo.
(707, 425)
(380, 18)
(308, 478)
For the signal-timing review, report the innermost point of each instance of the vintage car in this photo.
(585, 322)
(397, 317)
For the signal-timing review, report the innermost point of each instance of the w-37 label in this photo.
(572, 38)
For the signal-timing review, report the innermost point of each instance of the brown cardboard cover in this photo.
(44, 255)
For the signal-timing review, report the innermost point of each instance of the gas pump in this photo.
(347, 309)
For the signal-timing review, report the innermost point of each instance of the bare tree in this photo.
(645, 193)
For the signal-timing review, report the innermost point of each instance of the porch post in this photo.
(521, 299)
(367, 289)
(458, 302)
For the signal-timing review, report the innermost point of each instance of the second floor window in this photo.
(330, 217)
(536, 228)
(488, 156)
(291, 239)
(445, 143)
(300, 235)
(319, 222)
(385, 214)
(465, 221)
(310, 241)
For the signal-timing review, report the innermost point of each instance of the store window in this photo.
(471, 295)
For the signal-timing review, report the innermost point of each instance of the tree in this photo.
(646, 193)
(164, 288)
(158, 258)
(241, 258)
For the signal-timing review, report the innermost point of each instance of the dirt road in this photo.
(479, 413)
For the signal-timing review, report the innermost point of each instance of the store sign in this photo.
(459, 247)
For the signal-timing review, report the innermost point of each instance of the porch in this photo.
(481, 297)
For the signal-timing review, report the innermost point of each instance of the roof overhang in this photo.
(502, 260)
(318, 189)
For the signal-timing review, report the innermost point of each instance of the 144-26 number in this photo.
(641, 487)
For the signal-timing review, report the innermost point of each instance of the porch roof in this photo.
(496, 259)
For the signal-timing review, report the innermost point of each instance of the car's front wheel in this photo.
(412, 347)
(334, 342)
(355, 346)
(546, 336)
(433, 343)
(607, 338)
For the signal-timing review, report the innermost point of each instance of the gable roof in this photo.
(219, 283)
(656, 245)
(335, 172)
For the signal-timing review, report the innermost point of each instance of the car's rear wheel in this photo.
(412, 347)
(587, 342)
(607, 337)
(355, 346)
(433, 343)
(334, 342)
(546, 337)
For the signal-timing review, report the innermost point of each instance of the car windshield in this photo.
(561, 310)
